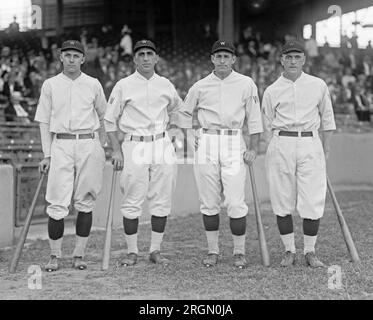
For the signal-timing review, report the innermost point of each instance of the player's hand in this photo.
(117, 160)
(177, 137)
(249, 156)
(44, 165)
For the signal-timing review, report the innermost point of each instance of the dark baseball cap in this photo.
(72, 45)
(222, 45)
(144, 44)
(292, 45)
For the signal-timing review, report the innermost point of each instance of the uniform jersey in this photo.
(71, 106)
(302, 105)
(142, 107)
(223, 103)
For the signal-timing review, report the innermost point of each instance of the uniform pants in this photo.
(76, 168)
(220, 166)
(149, 171)
(296, 175)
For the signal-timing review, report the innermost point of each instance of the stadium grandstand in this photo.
(338, 45)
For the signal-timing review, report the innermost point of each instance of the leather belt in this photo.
(75, 136)
(228, 132)
(296, 133)
(148, 138)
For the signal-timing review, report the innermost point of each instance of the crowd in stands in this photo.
(25, 65)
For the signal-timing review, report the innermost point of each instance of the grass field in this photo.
(185, 278)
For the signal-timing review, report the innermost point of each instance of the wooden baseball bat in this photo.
(259, 224)
(25, 229)
(109, 224)
(344, 228)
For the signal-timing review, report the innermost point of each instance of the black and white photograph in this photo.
(186, 155)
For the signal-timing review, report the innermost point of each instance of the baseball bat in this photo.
(344, 228)
(25, 229)
(259, 224)
(109, 224)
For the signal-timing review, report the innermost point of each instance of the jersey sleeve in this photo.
(174, 105)
(326, 110)
(100, 101)
(44, 108)
(185, 115)
(113, 110)
(252, 111)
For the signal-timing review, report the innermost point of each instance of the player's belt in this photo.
(296, 133)
(75, 136)
(148, 138)
(228, 132)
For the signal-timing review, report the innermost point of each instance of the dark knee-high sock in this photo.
(82, 229)
(238, 228)
(310, 230)
(55, 232)
(211, 224)
(130, 232)
(285, 226)
(158, 226)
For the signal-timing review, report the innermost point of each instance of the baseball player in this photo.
(141, 107)
(70, 111)
(295, 107)
(227, 103)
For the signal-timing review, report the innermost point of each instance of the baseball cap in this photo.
(72, 45)
(222, 45)
(292, 45)
(144, 44)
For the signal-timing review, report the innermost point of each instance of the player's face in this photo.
(293, 63)
(145, 60)
(223, 61)
(72, 61)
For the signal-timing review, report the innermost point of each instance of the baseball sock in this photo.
(55, 233)
(211, 224)
(158, 226)
(82, 229)
(130, 233)
(238, 229)
(285, 226)
(310, 229)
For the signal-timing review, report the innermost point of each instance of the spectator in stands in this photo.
(365, 67)
(369, 49)
(361, 103)
(12, 83)
(14, 110)
(312, 49)
(13, 26)
(348, 77)
(126, 42)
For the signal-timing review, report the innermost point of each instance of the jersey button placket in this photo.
(70, 107)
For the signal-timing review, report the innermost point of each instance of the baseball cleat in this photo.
(129, 260)
(52, 264)
(210, 260)
(313, 261)
(288, 259)
(79, 264)
(156, 258)
(240, 261)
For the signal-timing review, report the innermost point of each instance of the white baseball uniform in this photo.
(72, 107)
(223, 108)
(142, 109)
(295, 165)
